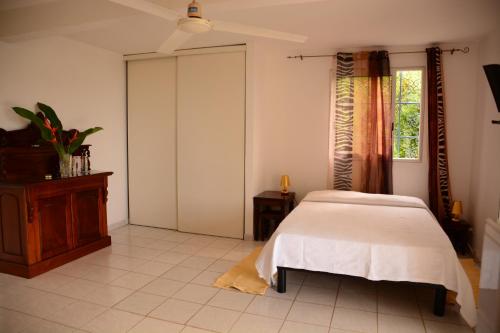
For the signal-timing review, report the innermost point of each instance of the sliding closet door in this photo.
(152, 142)
(211, 143)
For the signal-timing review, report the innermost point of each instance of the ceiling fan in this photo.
(194, 23)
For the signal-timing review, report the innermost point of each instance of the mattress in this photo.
(374, 236)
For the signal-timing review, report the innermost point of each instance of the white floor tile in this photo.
(269, 307)
(155, 268)
(309, 313)
(181, 273)
(294, 327)
(163, 287)
(351, 299)
(196, 293)
(214, 319)
(398, 304)
(78, 288)
(206, 278)
(113, 321)
(197, 262)
(235, 255)
(317, 295)
(221, 265)
(172, 257)
(132, 280)
(77, 314)
(176, 311)
(249, 323)
(297, 277)
(103, 274)
(49, 281)
(150, 325)
(189, 249)
(355, 320)
(232, 300)
(189, 329)
(12, 321)
(212, 252)
(74, 269)
(44, 326)
(440, 327)
(145, 266)
(107, 295)
(140, 303)
(397, 324)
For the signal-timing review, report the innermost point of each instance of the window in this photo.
(407, 114)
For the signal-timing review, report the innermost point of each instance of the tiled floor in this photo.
(152, 280)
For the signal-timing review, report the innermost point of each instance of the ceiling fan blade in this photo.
(176, 39)
(149, 8)
(235, 5)
(256, 31)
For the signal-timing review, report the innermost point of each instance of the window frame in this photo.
(422, 69)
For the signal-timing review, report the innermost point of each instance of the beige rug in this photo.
(244, 277)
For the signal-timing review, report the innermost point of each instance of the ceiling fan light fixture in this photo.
(194, 25)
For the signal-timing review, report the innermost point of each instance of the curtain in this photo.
(362, 123)
(439, 188)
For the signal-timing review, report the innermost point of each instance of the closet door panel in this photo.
(211, 143)
(152, 142)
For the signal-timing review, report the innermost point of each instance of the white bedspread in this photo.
(375, 236)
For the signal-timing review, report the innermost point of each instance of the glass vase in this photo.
(65, 163)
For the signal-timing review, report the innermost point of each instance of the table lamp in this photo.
(456, 211)
(285, 183)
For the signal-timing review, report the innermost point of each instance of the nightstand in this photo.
(269, 209)
(459, 233)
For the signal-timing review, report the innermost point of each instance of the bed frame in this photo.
(439, 296)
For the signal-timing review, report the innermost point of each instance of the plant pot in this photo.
(65, 164)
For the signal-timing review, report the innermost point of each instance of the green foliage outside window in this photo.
(407, 106)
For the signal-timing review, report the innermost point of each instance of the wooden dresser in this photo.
(46, 223)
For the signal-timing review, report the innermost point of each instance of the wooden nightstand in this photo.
(459, 233)
(269, 209)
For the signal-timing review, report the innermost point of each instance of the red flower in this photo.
(53, 130)
(73, 137)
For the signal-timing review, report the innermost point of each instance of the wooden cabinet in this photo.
(46, 223)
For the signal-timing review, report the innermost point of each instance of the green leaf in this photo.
(51, 114)
(81, 137)
(44, 131)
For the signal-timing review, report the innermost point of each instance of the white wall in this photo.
(288, 118)
(485, 180)
(86, 87)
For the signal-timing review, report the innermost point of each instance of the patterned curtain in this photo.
(439, 188)
(362, 123)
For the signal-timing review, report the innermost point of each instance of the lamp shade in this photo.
(285, 183)
(456, 210)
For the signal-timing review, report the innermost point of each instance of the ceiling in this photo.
(329, 24)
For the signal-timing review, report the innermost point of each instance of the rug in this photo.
(244, 277)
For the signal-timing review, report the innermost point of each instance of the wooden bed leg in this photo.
(281, 287)
(439, 301)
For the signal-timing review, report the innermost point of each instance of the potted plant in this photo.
(51, 130)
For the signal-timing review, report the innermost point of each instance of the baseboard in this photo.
(113, 226)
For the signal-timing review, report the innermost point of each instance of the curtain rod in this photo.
(451, 51)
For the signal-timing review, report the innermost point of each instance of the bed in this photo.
(375, 236)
